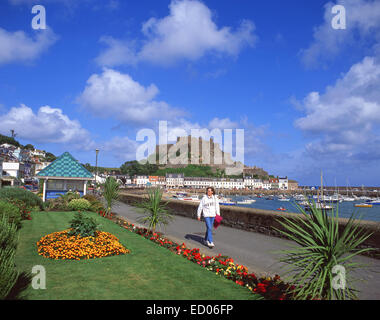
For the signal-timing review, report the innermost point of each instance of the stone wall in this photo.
(256, 220)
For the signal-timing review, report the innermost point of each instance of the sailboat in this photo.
(320, 204)
(348, 198)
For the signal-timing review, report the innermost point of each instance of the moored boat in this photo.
(283, 198)
(246, 201)
(363, 205)
(192, 198)
(227, 203)
(318, 205)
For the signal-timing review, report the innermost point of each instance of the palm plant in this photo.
(110, 193)
(68, 196)
(155, 212)
(321, 246)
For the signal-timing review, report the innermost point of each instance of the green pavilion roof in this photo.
(65, 166)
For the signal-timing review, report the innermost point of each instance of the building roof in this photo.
(65, 166)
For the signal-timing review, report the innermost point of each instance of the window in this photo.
(55, 185)
(74, 185)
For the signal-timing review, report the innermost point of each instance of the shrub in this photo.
(83, 226)
(8, 244)
(91, 198)
(68, 196)
(23, 208)
(28, 197)
(155, 212)
(320, 246)
(79, 204)
(11, 212)
(97, 206)
(12, 283)
(57, 204)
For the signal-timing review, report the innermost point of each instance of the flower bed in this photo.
(60, 245)
(270, 288)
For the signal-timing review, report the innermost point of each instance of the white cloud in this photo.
(254, 145)
(118, 53)
(117, 95)
(345, 118)
(122, 148)
(17, 46)
(42, 2)
(188, 32)
(362, 25)
(47, 125)
(221, 124)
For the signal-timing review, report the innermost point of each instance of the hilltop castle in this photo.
(193, 150)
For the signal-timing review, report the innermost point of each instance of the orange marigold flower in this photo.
(59, 245)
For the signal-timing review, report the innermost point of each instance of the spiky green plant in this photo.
(8, 244)
(320, 246)
(155, 212)
(110, 193)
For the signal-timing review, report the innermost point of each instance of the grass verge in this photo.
(149, 272)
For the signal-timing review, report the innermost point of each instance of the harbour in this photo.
(345, 208)
(365, 207)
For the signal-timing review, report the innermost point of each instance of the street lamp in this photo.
(96, 171)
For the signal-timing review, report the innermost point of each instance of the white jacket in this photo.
(209, 206)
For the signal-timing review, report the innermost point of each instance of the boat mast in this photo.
(321, 186)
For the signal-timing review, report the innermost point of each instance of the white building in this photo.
(8, 146)
(192, 182)
(100, 179)
(38, 153)
(252, 183)
(267, 185)
(141, 181)
(233, 184)
(39, 166)
(217, 183)
(174, 180)
(14, 169)
(161, 182)
(283, 183)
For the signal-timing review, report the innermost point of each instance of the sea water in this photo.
(345, 208)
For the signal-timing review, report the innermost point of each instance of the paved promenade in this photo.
(253, 250)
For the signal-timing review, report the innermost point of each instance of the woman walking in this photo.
(210, 207)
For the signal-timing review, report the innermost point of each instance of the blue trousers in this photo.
(209, 225)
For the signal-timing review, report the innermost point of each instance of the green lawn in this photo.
(148, 272)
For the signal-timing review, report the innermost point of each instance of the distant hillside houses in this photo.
(20, 164)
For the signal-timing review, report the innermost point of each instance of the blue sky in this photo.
(307, 95)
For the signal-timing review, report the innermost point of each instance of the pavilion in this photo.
(62, 175)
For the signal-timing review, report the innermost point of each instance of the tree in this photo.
(135, 168)
(29, 147)
(49, 157)
(110, 193)
(9, 140)
(155, 212)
